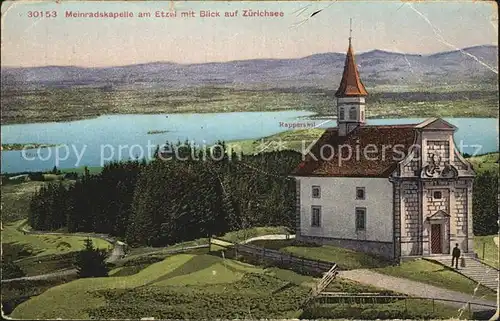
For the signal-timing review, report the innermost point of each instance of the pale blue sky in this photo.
(410, 27)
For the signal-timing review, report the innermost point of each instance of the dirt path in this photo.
(105, 237)
(269, 237)
(413, 288)
(47, 276)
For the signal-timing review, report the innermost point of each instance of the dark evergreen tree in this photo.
(485, 203)
(91, 262)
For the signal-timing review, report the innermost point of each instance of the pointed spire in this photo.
(350, 85)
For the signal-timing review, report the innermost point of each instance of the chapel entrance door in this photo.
(436, 247)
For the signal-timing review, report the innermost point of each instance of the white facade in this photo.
(338, 202)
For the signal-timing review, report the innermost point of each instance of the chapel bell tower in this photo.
(350, 96)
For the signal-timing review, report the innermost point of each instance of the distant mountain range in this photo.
(377, 67)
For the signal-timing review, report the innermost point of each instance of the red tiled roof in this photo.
(374, 163)
(350, 85)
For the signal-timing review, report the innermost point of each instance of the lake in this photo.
(125, 136)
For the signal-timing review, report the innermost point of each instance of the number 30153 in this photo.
(42, 14)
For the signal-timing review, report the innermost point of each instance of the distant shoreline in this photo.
(155, 132)
(316, 115)
(17, 146)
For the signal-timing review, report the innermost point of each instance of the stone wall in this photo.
(297, 207)
(438, 148)
(412, 168)
(397, 219)
(437, 182)
(383, 249)
(432, 205)
(410, 218)
(460, 217)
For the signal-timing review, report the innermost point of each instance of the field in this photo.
(415, 309)
(181, 286)
(437, 275)
(15, 200)
(234, 236)
(42, 245)
(81, 170)
(490, 249)
(14, 293)
(64, 104)
(344, 258)
(200, 286)
(297, 140)
(486, 162)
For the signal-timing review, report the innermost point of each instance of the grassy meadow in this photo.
(15, 200)
(486, 162)
(490, 253)
(233, 236)
(81, 170)
(14, 293)
(181, 286)
(415, 309)
(344, 258)
(193, 286)
(297, 140)
(41, 244)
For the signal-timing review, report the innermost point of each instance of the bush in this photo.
(144, 260)
(71, 176)
(36, 176)
(11, 270)
(252, 297)
(364, 312)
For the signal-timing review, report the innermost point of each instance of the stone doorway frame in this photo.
(442, 218)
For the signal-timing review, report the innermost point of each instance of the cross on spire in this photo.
(350, 85)
(350, 30)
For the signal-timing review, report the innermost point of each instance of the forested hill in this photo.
(165, 202)
(472, 66)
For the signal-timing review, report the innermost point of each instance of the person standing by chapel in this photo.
(455, 256)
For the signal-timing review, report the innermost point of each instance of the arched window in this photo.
(352, 113)
(341, 113)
